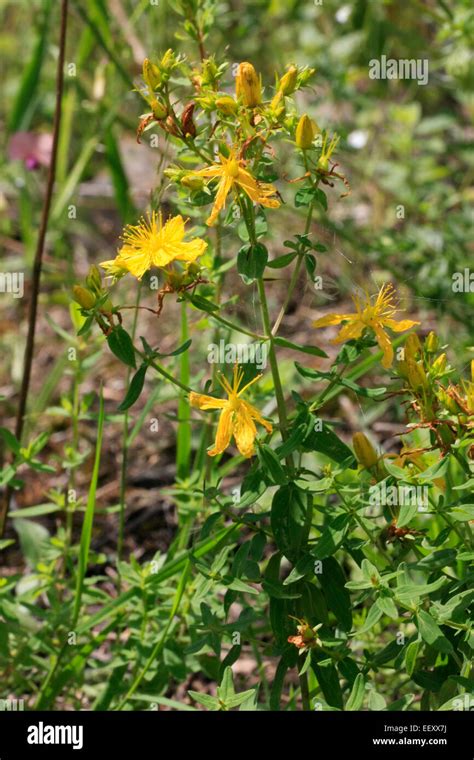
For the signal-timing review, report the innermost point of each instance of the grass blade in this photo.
(89, 516)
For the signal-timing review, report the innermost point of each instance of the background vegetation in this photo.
(148, 617)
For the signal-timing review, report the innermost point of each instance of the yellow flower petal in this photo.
(245, 431)
(200, 401)
(224, 432)
(331, 319)
(385, 344)
(401, 326)
(351, 331)
(255, 414)
(223, 190)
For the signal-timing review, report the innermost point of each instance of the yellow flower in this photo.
(233, 176)
(150, 243)
(373, 313)
(237, 416)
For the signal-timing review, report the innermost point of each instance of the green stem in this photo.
(124, 463)
(305, 692)
(159, 646)
(296, 272)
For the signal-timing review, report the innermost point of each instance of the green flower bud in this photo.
(227, 105)
(84, 297)
(94, 279)
(151, 75)
(431, 343)
(192, 181)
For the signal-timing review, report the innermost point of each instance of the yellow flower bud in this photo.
(159, 110)
(227, 105)
(402, 369)
(439, 365)
(447, 401)
(84, 297)
(416, 375)
(151, 75)
(306, 131)
(247, 85)
(168, 60)
(287, 83)
(431, 342)
(412, 346)
(192, 181)
(364, 451)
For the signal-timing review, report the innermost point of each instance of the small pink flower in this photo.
(34, 149)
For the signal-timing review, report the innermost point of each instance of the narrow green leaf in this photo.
(134, 389)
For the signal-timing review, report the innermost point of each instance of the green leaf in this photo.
(279, 591)
(134, 389)
(271, 464)
(376, 701)
(313, 350)
(333, 581)
(121, 345)
(27, 92)
(86, 533)
(179, 350)
(327, 442)
(328, 680)
(119, 176)
(411, 655)
(408, 593)
(306, 664)
(374, 615)
(11, 441)
(239, 585)
(406, 514)
(356, 696)
(282, 261)
(205, 699)
(432, 633)
(203, 304)
(37, 511)
(332, 537)
(387, 605)
(464, 513)
(304, 566)
(34, 539)
(288, 514)
(251, 261)
(311, 195)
